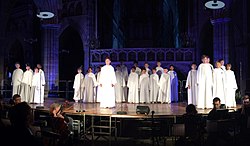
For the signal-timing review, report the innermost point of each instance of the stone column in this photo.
(50, 55)
(221, 38)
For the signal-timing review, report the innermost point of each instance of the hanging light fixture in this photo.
(214, 4)
(45, 15)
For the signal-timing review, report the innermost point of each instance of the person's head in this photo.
(171, 67)
(154, 70)
(36, 70)
(118, 67)
(158, 63)
(245, 100)
(221, 61)
(204, 59)
(143, 70)
(107, 60)
(146, 65)
(16, 99)
(39, 66)
(133, 69)
(191, 110)
(21, 115)
(17, 65)
(79, 70)
(193, 66)
(55, 109)
(228, 66)
(90, 70)
(165, 70)
(27, 66)
(217, 64)
(216, 103)
(135, 63)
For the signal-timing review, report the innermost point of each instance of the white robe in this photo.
(231, 87)
(107, 92)
(78, 87)
(165, 88)
(89, 84)
(174, 86)
(219, 84)
(38, 83)
(144, 88)
(124, 71)
(148, 71)
(16, 81)
(133, 83)
(205, 85)
(26, 85)
(119, 93)
(192, 83)
(154, 87)
(98, 87)
(42, 81)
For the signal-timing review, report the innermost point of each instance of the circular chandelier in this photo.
(214, 4)
(45, 15)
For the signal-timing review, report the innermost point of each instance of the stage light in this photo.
(45, 15)
(214, 4)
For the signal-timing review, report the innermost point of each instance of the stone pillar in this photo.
(221, 38)
(50, 55)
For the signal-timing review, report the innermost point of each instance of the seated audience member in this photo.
(218, 112)
(244, 118)
(16, 98)
(20, 130)
(60, 123)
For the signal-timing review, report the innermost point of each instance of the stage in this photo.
(160, 110)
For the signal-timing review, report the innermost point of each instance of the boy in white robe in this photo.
(191, 85)
(154, 86)
(165, 87)
(90, 86)
(133, 83)
(137, 69)
(36, 90)
(124, 71)
(97, 75)
(107, 82)
(231, 87)
(42, 81)
(119, 93)
(144, 87)
(78, 86)
(205, 84)
(26, 84)
(159, 69)
(17, 79)
(148, 71)
(222, 64)
(174, 84)
(219, 82)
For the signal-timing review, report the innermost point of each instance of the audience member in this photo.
(218, 112)
(60, 123)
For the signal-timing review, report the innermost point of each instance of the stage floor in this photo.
(161, 110)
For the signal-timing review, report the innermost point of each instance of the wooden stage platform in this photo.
(172, 109)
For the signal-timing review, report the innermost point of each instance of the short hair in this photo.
(143, 68)
(15, 96)
(221, 60)
(204, 56)
(245, 97)
(107, 57)
(133, 68)
(17, 63)
(194, 63)
(21, 115)
(190, 109)
(228, 64)
(154, 68)
(216, 99)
